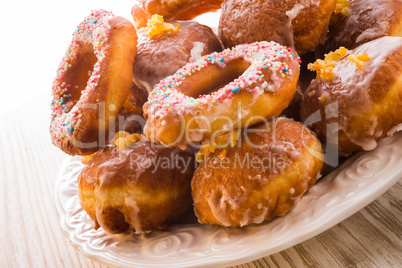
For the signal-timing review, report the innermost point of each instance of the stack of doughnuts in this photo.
(168, 120)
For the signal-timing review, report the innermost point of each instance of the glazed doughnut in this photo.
(300, 24)
(162, 56)
(261, 176)
(366, 21)
(136, 185)
(252, 82)
(92, 82)
(362, 94)
(171, 9)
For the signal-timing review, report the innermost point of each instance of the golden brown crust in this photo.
(142, 188)
(369, 101)
(262, 176)
(367, 20)
(299, 24)
(171, 10)
(160, 57)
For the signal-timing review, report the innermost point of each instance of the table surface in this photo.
(29, 224)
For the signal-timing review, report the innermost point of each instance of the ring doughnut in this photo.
(171, 10)
(94, 77)
(300, 24)
(252, 82)
(362, 96)
(263, 175)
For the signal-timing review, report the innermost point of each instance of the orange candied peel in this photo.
(342, 7)
(324, 68)
(359, 60)
(156, 27)
(220, 144)
(128, 106)
(123, 139)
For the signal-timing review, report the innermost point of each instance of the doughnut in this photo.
(92, 82)
(171, 10)
(135, 99)
(220, 92)
(365, 21)
(161, 56)
(130, 118)
(262, 175)
(302, 25)
(136, 185)
(360, 91)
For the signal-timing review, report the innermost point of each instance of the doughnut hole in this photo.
(212, 78)
(80, 71)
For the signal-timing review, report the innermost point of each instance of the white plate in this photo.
(353, 185)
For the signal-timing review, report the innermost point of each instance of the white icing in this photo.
(196, 51)
(294, 12)
(261, 217)
(170, 2)
(134, 211)
(218, 208)
(395, 129)
(246, 218)
(291, 190)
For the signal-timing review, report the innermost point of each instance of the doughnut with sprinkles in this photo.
(221, 92)
(92, 82)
